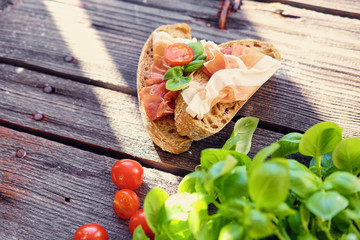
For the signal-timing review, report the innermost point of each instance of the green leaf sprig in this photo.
(176, 77)
(230, 196)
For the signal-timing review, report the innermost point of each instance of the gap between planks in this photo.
(127, 90)
(77, 78)
(318, 8)
(109, 152)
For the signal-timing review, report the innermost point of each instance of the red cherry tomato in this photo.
(126, 203)
(127, 174)
(91, 231)
(139, 219)
(178, 54)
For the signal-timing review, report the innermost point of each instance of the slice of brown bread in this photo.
(162, 131)
(221, 113)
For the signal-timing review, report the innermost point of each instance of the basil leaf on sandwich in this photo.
(176, 84)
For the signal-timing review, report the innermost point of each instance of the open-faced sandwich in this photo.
(189, 90)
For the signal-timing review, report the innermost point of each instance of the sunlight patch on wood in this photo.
(84, 42)
(90, 52)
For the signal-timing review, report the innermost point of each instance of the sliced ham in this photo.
(250, 56)
(215, 60)
(235, 74)
(158, 101)
(152, 81)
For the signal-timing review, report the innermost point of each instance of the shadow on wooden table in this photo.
(276, 103)
(97, 46)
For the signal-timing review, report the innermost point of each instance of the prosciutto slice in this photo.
(156, 99)
(235, 74)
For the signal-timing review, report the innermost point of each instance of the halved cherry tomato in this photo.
(178, 54)
(127, 174)
(139, 219)
(126, 203)
(91, 231)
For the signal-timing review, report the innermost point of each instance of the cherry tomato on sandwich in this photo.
(126, 203)
(127, 174)
(178, 54)
(139, 219)
(91, 231)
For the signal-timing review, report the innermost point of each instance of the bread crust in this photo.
(175, 133)
(221, 113)
(162, 131)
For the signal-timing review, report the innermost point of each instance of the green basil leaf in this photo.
(352, 214)
(347, 154)
(193, 183)
(289, 144)
(200, 181)
(262, 155)
(194, 65)
(303, 182)
(342, 222)
(306, 236)
(139, 234)
(241, 158)
(320, 139)
(241, 136)
(177, 210)
(292, 198)
(175, 84)
(210, 156)
(232, 231)
(326, 163)
(355, 205)
(217, 170)
(234, 184)
(269, 184)
(154, 201)
(234, 208)
(188, 183)
(304, 216)
(198, 219)
(294, 222)
(179, 205)
(197, 48)
(353, 211)
(230, 143)
(177, 229)
(174, 72)
(326, 204)
(202, 57)
(259, 225)
(282, 210)
(342, 182)
(214, 226)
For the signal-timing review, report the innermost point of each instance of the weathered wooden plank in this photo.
(319, 50)
(4, 4)
(94, 118)
(306, 90)
(48, 190)
(344, 8)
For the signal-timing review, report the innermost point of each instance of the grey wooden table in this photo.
(69, 110)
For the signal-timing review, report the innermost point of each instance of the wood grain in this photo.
(52, 189)
(319, 51)
(93, 118)
(344, 8)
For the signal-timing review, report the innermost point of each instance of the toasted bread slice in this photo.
(221, 113)
(162, 131)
